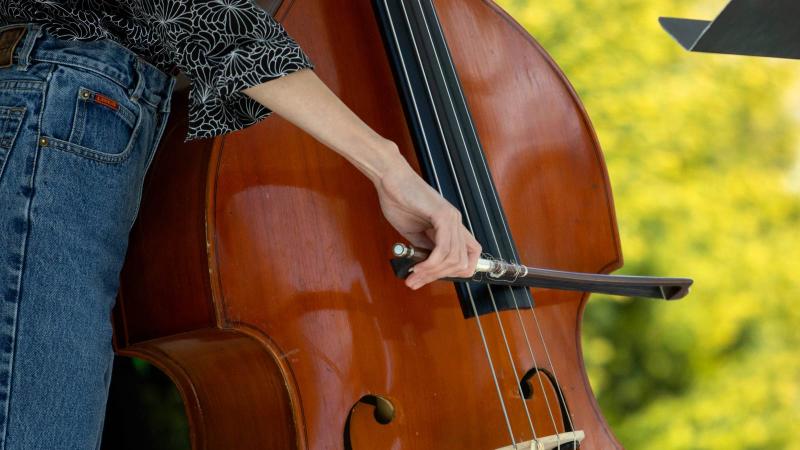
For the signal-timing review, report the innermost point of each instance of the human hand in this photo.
(427, 220)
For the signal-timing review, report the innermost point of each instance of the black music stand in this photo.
(744, 27)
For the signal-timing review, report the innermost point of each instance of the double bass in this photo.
(258, 275)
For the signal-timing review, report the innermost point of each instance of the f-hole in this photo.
(527, 386)
(383, 411)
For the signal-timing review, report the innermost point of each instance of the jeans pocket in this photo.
(105, 124)
(10, 121)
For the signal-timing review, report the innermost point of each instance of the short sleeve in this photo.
(223, 47)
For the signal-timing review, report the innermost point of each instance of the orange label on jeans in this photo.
(106, 101)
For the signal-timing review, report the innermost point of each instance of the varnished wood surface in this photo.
(269, 236)
(232, 386)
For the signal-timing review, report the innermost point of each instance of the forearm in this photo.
(304, 100)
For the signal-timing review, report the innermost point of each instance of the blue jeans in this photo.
(79, 125)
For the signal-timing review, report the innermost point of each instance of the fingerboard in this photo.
(446, 140)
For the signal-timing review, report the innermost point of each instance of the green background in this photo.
(702, 152)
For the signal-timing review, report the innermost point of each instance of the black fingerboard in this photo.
(445, 138)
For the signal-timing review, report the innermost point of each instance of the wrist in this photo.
(385, 158)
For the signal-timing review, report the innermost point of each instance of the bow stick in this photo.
(499, 272)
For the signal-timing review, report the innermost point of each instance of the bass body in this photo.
(257, 275)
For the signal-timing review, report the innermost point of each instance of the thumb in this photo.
(419, 239)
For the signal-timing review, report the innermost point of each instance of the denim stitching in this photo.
(32, 34)
(6, 143)
(23, 250)
(86, 152)
(78, 121)
(98, 155)
(123, 111)
(82, 63)
(22, 85)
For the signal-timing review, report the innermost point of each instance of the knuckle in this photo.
(442, 215)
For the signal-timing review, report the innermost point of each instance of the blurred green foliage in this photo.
(702, 152)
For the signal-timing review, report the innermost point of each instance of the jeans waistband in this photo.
(104, 57)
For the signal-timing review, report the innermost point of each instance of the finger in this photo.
(445, 265)
(427, 269)
(442, 247)
(473, 254)
(461, 266)
(466, 269)
(459, 255)
(442, 243)
(419, 240)
(455, 260)
(423, 239)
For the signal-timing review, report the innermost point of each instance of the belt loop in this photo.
(33, 33)
(140, 81)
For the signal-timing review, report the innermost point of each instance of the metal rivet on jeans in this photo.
(85, 94)
(43, 141)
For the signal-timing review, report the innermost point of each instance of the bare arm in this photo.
(304, 100)
(415, 209)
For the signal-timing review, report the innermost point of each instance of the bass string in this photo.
(439, 188)
(535, 319)
(505, 225)
(469, 223)
(515, 259)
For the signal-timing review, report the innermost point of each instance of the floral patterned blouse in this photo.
(223, 47)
